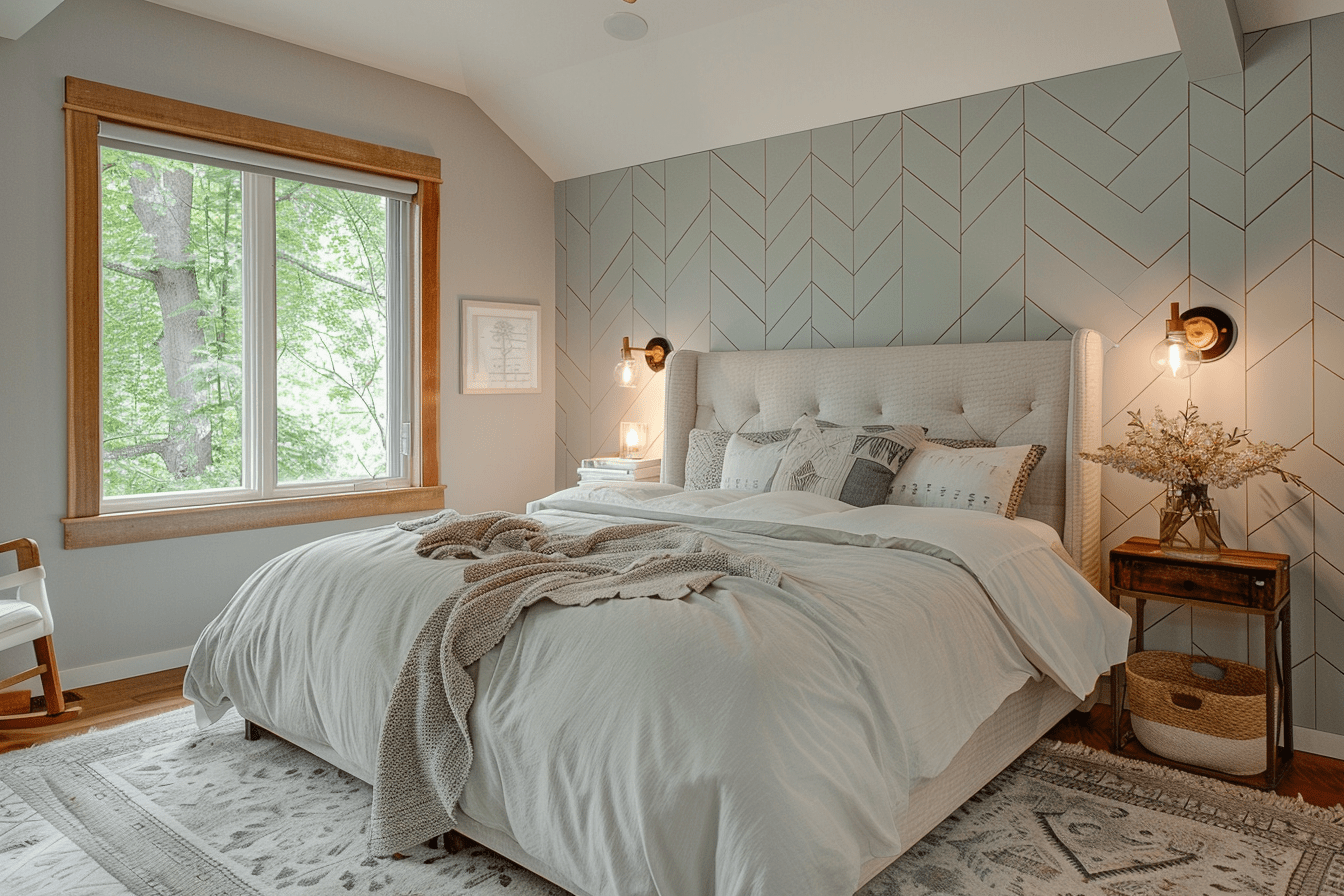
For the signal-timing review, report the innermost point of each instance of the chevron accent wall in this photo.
(1089, 200)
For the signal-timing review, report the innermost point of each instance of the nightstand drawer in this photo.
(1244, 588)
(1238, 578)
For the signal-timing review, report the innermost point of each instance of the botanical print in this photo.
(499, 347)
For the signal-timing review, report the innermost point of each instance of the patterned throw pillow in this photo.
(854, 464)
(963, 443)
(750, 466)
(704, 454)
(991, 480)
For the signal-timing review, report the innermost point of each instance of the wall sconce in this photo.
(655, 355)
(634, 439)
(1199, 335)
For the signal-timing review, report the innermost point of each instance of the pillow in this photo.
(963, 443)
(704, 454)
(853, 464)
(985, 479)
(750, 466)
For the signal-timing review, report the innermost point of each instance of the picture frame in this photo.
(500, 348)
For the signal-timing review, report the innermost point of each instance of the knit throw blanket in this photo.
(425, 751)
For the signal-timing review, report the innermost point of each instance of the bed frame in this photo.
(1046, 393)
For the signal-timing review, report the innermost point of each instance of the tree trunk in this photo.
(162, 202)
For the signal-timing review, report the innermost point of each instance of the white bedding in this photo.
(749, 740)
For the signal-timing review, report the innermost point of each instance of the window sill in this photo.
(176, 522)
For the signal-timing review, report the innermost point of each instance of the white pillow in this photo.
(704, 454)
(750, 466)
(854, 464)
(991, 480)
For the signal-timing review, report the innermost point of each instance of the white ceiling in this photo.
(709, 73)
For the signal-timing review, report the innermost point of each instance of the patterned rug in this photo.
(157, 807)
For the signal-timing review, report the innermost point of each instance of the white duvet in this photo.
(749, 740)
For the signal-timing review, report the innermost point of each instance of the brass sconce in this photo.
(655, 356)
(1199, 335)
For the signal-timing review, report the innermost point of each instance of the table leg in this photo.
(1138, 624)
(1287, 653)
(1117, 704)
(1273, 689)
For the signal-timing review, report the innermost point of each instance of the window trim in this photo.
(86, 525)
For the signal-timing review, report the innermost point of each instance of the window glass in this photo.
(332, 299)
(192, 399)
(172, 325)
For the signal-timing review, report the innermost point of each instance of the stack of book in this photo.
(628, 469)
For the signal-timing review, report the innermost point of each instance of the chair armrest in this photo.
(26, 548)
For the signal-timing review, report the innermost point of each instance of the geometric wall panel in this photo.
(1093, 199)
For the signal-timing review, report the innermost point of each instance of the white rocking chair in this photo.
(26, 617)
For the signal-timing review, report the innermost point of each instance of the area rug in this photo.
(158, 807)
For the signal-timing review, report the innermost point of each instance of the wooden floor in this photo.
(105, 705)
(1317, 779)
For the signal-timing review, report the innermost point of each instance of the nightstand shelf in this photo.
(1247, 582)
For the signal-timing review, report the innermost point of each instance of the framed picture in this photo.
(499, 348)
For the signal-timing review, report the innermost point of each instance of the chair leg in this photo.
(51, 690)
(51, 679)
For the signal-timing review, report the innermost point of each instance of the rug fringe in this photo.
(1332, 814)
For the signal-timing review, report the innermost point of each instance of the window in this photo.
(253, 326)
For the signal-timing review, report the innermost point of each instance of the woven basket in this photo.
(1182, 715)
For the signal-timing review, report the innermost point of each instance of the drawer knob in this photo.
(1188, 585)
(1259, 583)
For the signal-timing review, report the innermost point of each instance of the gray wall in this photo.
(1089, 200)
(116, 604)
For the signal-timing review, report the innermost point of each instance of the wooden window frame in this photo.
(86, 525)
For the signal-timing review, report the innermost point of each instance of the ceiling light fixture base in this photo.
(625, 26)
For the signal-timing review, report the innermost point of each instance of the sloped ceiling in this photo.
(713, 73)
(17, 16)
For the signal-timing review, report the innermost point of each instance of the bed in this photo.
(670, 746)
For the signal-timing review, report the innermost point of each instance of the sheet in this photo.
(748, 740)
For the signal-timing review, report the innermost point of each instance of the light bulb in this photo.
(627, 374)
(1175, 357)
(634, 438)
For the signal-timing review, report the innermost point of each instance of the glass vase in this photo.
(1189, 524)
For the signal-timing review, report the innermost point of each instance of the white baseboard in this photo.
(1322, 743)
(82, 676)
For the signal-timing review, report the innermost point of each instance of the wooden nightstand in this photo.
(1247, 582)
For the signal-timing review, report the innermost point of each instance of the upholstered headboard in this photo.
(1013, 393)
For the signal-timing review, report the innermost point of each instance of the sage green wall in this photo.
(134, 608)
(1089, 200)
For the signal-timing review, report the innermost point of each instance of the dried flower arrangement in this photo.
(1189, 456)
